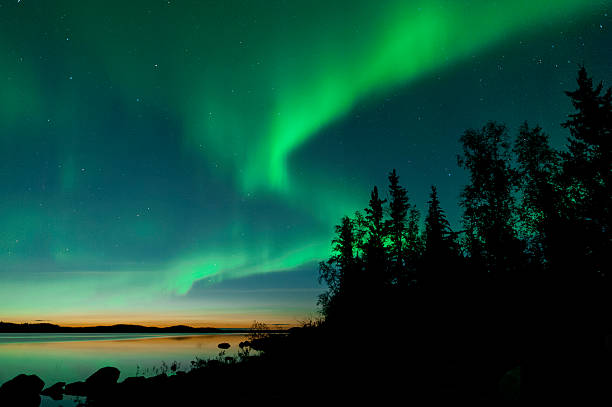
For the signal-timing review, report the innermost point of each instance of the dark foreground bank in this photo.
(317, 364)
(313, 364)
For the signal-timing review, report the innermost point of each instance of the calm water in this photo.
(70, 357)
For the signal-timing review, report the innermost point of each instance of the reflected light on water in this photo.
(73, 360)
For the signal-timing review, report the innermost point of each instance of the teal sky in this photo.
(186, 161)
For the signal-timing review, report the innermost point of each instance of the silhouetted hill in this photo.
(6, 327)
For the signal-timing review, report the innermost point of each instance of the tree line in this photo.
(532, 257)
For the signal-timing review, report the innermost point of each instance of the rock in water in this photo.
(223, 345)
(56, 392)
(76, 389)
(102, 380)
(23, 390)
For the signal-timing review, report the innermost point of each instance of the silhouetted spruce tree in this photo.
(437, 228)
(587, 175)
(488, 200)
(577, 246)
(375, 256)
(340, 273)
(440, 255)
(414, 246)
(397, 228)
(360, 231)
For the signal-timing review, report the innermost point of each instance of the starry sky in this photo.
(186, 161)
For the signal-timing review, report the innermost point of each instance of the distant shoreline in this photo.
(6, 327)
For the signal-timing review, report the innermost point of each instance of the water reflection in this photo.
(72, 357)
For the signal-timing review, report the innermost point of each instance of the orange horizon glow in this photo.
(157, 323)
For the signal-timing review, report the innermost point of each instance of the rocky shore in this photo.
(103, 387)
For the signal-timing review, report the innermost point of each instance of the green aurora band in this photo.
(248, 84)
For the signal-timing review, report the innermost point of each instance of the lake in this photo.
(74, 357)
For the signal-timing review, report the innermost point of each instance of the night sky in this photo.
(182, 161)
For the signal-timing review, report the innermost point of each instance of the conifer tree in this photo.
(437, 229)
(340, 272)
(587, 173)
(414, 246)
(397, 226)
(375, 253)
(440, 252)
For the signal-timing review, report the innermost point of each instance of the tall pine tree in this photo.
(341, 273)
(397, 227)
(587, 173)
(375, 255)
(440, 254)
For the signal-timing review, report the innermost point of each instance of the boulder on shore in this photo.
(22, 390)
(106, 376)
(76, 389)
(56, 392)
(102, 380)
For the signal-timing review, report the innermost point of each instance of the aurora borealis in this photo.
(167, 161)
